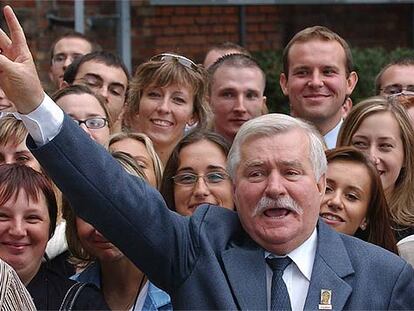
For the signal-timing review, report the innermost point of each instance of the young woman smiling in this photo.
(28, 212)
(381, 129)
(354, 202)
(167, 94)
(196, 173)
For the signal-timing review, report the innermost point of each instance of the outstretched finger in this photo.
(16, 31)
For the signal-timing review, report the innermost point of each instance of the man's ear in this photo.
(193, 120)
(351, 82)
(265, 110)
(322, 185)
(283, 81)
(63, 84)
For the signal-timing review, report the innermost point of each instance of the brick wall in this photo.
(189, 30)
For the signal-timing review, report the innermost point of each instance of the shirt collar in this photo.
(304, 255)
(331, 137)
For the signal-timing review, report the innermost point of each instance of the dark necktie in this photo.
(279, 299)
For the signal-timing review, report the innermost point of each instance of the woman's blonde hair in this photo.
(163, 73)
(401, 200)
(12, 130)
(146, 141)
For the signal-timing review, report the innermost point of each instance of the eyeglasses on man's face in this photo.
(93, 123)
(190, 179)
(168, 57)
(395, 89)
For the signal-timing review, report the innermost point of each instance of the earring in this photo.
(363, 226)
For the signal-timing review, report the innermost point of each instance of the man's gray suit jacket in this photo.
(208, 261)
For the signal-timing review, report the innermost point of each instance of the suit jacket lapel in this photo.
(331, 265)
(246, 271)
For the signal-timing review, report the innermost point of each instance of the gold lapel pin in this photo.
(326, 299)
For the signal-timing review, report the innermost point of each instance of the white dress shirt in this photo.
(331, 137)
(298, 274)
(45, 122)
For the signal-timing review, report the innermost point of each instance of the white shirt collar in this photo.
(304, 255)
(331, 137)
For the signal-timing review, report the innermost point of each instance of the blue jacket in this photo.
(208, 261)
(156, 298)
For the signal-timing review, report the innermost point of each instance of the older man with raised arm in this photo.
(272, 254)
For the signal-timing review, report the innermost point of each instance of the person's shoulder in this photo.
(362, 255)
(367, 255)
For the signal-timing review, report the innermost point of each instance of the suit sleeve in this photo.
(124, 208)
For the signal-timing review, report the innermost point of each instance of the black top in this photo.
(48, 288)
(402, 232)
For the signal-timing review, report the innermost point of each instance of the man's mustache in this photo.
(285, 202)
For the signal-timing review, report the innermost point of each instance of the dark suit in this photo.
(208, 261)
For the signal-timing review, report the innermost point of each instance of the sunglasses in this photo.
(168, 57)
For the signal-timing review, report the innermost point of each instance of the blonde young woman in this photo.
(139, 146)
(381, 129)
(167, 94)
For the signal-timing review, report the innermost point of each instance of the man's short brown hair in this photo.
(318, 33)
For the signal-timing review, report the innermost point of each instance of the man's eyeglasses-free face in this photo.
(96, 83)
(190, 179)
(93, 123)
(167, 57)
(59, 59)
(395, 89)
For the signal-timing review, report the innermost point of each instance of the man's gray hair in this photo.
(273, 124)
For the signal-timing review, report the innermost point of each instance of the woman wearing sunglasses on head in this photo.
(196, 173)
(167, 93)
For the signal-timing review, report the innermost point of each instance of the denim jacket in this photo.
(156, 298)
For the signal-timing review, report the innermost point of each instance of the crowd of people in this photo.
(175, 188)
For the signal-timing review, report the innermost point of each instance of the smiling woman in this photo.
(28, 212)
(167, 93)
(13, 147)
(381, 129)
(354, 202)
(196, 173)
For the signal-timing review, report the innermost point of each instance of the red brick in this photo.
(169, 31)
(252, 9)
(267, 27)
(268, 9)
(230, 28)
(201, 20)
(205, 10)
(181, 20)
(165, 10)
(253, 28)
(231, 10)
(218, 29)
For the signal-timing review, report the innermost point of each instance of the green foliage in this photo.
(367, 62)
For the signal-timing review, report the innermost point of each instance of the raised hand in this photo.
(18, 76)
